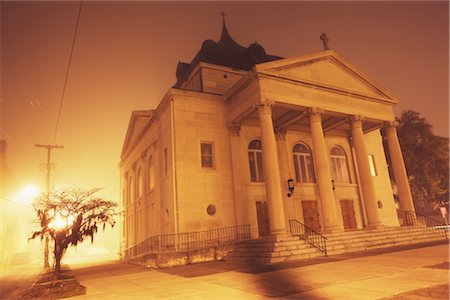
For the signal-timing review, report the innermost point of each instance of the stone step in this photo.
(379, 246)
(243, 253)
(377, 232)
(383, 243)
(287, 248)
(293, 243)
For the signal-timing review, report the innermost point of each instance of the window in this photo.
(207, 155)
(373, 170)
(303, 164)
(140, 183)
(151, 174)
(165, 162)
(339, 166)
(255, 161)
(131, 190)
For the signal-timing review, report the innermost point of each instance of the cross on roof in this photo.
(325, 40)
(223, 16)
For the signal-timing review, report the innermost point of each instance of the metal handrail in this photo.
(189, 241)
(311, 236)
(413, 218)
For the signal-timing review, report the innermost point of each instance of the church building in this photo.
(244, 137)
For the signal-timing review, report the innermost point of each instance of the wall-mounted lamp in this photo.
(290, 187)
(333, 184)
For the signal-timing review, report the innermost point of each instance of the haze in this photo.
(125, 58)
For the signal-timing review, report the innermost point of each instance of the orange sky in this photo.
(126, 55)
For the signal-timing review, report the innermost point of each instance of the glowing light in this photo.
(28, 194)
(61, 221)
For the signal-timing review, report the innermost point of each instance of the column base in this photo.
(332, 229)
(277, 237)
(377, 225)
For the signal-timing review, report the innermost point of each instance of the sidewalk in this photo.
(377, 276)
(16, 279)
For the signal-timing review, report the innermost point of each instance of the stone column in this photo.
(398, 167)
(271, 169)
(283, 153)
(367, 186)
(322, 163)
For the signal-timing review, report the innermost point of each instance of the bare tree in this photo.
(70, 216)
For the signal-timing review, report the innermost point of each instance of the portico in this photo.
(264, 99)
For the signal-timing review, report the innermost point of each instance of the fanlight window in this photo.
(303, 164)
(339, 165)
(255, 161)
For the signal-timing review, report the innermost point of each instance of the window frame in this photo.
(340, 171)
(303, 164)
(211, 155)
(372, 165)
(255, 156)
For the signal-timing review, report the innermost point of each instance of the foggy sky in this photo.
(126, 54)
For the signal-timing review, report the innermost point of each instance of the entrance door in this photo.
(311, 215)
(263, 218)
(348, 214)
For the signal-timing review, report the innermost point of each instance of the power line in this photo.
(67, 72)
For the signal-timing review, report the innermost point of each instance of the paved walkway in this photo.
(380, 275)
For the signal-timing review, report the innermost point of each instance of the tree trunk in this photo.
(58, 256)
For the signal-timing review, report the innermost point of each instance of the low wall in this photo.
(166, 260)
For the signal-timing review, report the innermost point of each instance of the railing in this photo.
(413, 218)
(312, 237)
(190, 241)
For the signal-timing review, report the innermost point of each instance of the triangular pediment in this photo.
(138, 121)
(327, 70)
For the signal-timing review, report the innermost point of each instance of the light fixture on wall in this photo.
(290, 187)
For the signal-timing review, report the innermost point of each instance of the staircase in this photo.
(281, 248)
(272, 249)
(367, 239)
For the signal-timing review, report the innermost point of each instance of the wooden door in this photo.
(263, 218)
(348, 214)
(311, 215)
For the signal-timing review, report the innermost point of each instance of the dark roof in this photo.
(226, 52)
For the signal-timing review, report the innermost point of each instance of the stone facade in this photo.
(220, 147)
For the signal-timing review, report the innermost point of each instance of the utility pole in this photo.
(48, 167)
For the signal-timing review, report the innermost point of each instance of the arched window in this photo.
(339, 165)
(303, 164)
(140, 183)
(151, 174)
(255, 161)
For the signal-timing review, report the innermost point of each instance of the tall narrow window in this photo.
(255, 161)
(339, 165)
(373, 170)
(131, 189)
(151, 174)
(165, 162)
(303, 164)
(140, 183)
(207, 155)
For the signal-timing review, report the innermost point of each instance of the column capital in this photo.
(391, 124)
(265, 106)
(315, 113)
(234, 127)
(357, 118)
(280, 134)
